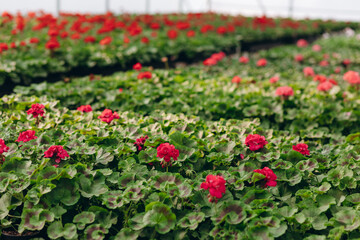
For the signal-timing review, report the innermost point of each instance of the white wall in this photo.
(327, 9)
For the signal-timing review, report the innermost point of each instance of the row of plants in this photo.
(38, 45)
(84, 174)
(294, 88)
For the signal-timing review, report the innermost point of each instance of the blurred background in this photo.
(325, 9)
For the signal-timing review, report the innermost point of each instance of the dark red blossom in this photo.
(89, 39)
(167, 151)
(107, 116)
(26, 136)
(215, 185)
(172, 34)
(270, 176)
(301, 148)
(85, 108)
(255, 142)
(57, 152)
(36, 110)
(140, 142)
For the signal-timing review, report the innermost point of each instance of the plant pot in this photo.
(12, 235)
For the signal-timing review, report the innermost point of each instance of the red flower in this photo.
(255, 142)
(56, 151)
(172, 34)
(34, 40)
(274, 79)
(244, 59)
(107, 116)
(352, 77)
(301, 148)
(120, 90)
(3, 147)
(144, 75)
(302, 43)
(324, 63)
(261, 62)
(3, 47)
(190, 33)
(236, 80)
(137, 66)
(52, 44)
(12, 45)
(325, 86)
(105, 41)
(316, 48)
(26, 136)
(167, 151)
(346, 62)
(36, 110)
(221, 30)
(85, 108)
(270, 176)
(75, 36)
(337, 70)
(140, 142)
(145, 40)
(89, 39)
(64, 34)
(215, 185)
(299, 58)
(320, 78)
(209, 62)
(308, 71)
(284, 91)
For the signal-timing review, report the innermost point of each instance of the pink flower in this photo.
(337, 70)
(167, 151)
(270, 176)
(299, 58)
(255, 142)
(352, 77)
(209, 62)
(107, 116)
(261, 62)
(320, 78)
(56, 151)
(324, 63)
(36, 110)
(140, 142)
(284, 91)
(85, 108)
(316, 48)
(3, 147)
(244, 59)
(26, 136)
(216, 187)
(308, 71)
(236, 80)
(274, 79)
(346, 62)
(302, 43)
(325, 86)
(301, 148)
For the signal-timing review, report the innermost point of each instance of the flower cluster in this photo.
(85, 108)
(107, 116)
(36, 110)
(167, 151)
(216, 187)
(26, 136)
(140, 142)
(143, 75)
(214, 59)
(255, 142)
(284, 91)
(270, 176)
(57, 152)
(301, 148)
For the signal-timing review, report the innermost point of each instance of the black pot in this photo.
(9, 236)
